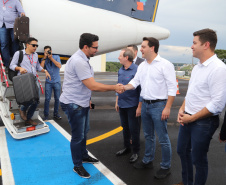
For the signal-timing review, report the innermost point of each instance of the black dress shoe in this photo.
(133, 158)
(90, 160)
(123, 152)
(81, 172)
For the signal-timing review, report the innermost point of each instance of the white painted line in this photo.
(103, 169)
(7, 173)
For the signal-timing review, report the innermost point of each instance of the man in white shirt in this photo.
(156, 76)
(204, 101)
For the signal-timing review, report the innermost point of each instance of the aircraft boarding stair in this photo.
(9, 112)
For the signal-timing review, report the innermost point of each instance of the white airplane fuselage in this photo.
(59, 23)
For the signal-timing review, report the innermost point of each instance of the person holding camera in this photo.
(52, 64)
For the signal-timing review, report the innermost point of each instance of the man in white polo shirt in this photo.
(75, 98)
(204, 101)
(157, 79)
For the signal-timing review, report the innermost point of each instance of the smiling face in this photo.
(91, 51)
(146, 50)
(32, 46)
(197, 47)
(121, 58)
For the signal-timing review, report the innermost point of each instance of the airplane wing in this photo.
(140, 9)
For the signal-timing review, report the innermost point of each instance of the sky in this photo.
(182, 18)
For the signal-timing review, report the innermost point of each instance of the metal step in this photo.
(20, 127)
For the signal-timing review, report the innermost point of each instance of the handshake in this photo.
(120, 88)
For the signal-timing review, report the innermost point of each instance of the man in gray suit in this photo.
(137, 60)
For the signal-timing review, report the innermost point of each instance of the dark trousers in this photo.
(78, 118)
(192, 146)
(131, 128)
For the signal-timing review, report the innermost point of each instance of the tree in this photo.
(221, 54)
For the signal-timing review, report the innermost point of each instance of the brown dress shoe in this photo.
(23, 115)
(30, 122)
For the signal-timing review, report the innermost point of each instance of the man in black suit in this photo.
(137, 60)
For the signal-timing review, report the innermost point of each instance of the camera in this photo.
(49, 52)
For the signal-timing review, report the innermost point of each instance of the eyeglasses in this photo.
(94, 47)
(34, 45)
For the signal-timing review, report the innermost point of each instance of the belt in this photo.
(214, 116)
(153, 101)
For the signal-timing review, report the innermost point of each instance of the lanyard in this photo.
(4, 2)
(30, 59)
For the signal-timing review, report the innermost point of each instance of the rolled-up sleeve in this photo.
(14, 62)
(39, 67)
(19, 8)
(170, 78)
(217, 86)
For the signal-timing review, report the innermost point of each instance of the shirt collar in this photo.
(131, 67)
(157, 58)
(24, 52)
(208, 61)
(135, 59)
(83, 55)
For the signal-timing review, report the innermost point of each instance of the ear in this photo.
(206, 45)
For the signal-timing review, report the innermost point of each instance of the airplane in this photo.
(59, 23)
(118, 23)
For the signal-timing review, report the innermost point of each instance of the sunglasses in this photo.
(94, 47)
(34, 45)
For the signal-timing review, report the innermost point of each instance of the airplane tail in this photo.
(139, 9)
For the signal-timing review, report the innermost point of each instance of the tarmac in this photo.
(104, 119)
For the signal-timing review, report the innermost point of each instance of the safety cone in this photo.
(178, 87)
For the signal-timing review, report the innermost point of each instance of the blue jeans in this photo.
(7, 37)
(30, 108)
(131, 127)
(151, 122)
(78, 118)
(192, 147)
(56, 87)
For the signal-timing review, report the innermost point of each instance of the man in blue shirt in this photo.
(75, 99)
(127, 105)
(9, 11)
(29, 64)
(52, 64)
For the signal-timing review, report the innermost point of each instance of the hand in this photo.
(185, 118)
(48, 75)
(119, 88)
(180, 112)
(221, 141)
(138, 112)
(22, 70)
(116, 107)
(90, 104)
(22, 14)
(165, 113)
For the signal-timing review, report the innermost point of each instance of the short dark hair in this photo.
(87, 39)
(128, 53)
(30, 39)
(152, 42)
(207, 35)
(135, 48)
(46, 47)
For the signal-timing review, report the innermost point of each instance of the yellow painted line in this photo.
(104, 136)
(156, 5)
(61, 58)
(0, 172)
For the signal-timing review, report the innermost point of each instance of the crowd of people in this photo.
(145, 93)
